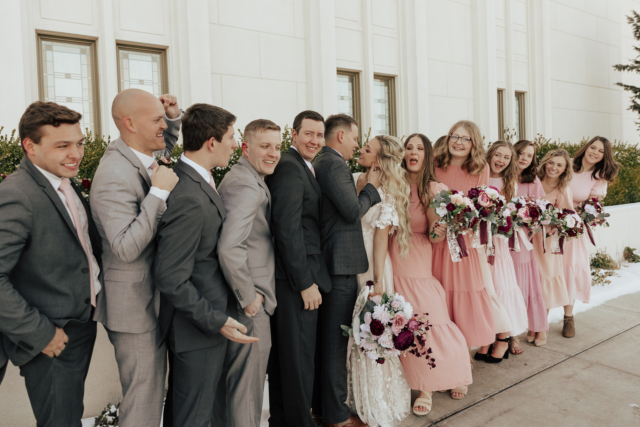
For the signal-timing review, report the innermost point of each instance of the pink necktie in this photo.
(66, 189)
(153, 165)
(212, 183)
(312, 171)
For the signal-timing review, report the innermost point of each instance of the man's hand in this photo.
(311, 297)
(253, 308)
(170, 104)
(373, 177)
(235, 331)
(164, 178)
(57, 344)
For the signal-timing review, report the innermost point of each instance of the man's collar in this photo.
(206, 175)
(53, 179)
(305, 160)
(144, 159)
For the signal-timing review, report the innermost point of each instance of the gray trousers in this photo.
(239, 397)
(143, 369)
(56, 384)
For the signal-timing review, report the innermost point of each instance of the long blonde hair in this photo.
(475, 163)
(510, 173)
(395, 182)
(566, 176)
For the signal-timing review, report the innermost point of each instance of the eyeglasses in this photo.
(465, 140)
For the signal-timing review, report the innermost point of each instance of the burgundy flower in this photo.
(473, 193)
(518, 205)
(484, 213)
(380, 360)
(376, 327)
(549, 206)
(403, 340)
(451, 207)
(454, 191)
(86, 183)
(369, 283)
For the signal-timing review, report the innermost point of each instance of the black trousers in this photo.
(291, 362)
(336, 310)
(3, 370)
(56, 384)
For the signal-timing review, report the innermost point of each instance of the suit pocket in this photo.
(130, 276)
(259, 271)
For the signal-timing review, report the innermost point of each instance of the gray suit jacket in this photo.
(187, 272)
(127, 218)
(245, 249)
(341, 214)
(44, 271)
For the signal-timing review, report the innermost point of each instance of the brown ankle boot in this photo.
(569, 328)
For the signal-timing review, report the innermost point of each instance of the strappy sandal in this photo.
(426, 402)
(505, 355)
(514, 346)
(459, 390)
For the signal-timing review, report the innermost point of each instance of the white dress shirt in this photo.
(305, 160)
(147, 161)
(202, 171)
(55, 183)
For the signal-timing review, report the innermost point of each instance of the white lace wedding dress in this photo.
(379, 394)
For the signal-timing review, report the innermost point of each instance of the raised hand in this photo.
(373, 177)
(170, 104)
(57, 344)
(164, 178)
(235, 331)
(311, 297)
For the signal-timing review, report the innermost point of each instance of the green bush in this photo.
(602, 260)
(629, 255)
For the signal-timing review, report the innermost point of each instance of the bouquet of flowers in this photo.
(527, 212)
(569, 225)
(109, 416)
(385, 326)
(592, 213)
(460, 215)
(491, 207)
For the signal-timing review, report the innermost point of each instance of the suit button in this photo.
(87, 301)
(85, 270)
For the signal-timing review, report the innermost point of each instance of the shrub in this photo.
(602, 260)
(629, 255)
(601, 277)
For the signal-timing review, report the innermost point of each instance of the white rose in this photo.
(441, 211)
(591, 210)
(457, 199)
(372, 355)
(380, 313)
(571, 222)
(506, 213)
(491, 193)
(408, 310)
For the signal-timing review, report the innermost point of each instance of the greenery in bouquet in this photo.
(592, 213)
(455, 210)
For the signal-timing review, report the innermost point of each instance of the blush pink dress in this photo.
(526, 268)
(577, 271)
(468, 299)
(413, 279)
(504, 278)
(554, 286)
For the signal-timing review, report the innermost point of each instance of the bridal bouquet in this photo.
(385, 326)
(592, 213)
(569, 225)
(459, 214)
(491, 207)
(525, 212)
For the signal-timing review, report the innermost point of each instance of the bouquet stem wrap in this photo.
(557, 244)
(457, 247)
(590, 233)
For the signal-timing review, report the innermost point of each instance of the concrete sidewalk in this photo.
(592, 379)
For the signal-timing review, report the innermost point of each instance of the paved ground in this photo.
(592, 379)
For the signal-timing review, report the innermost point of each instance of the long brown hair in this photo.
(510, 173)
(566, 176)
(439, 145)
(427, 174)
(528, 175)
(475, 162)
(606, 169)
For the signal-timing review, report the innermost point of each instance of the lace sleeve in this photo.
(388, 214)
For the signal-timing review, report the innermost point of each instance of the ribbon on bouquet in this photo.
(514, 243)
(457, 246)
(491, 251)
(557, 244)
(593, 242)
(525, 241)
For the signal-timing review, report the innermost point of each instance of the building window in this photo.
(68, 76)
(142, 68)
(520, 117)
(501, 114)
(384, 105)
(349, 94)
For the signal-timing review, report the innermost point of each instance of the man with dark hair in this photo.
(248, 262)
(196, 308)
(128, 196)
(346, 257)
(49, 266)
(301, 274)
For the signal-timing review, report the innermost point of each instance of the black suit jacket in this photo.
(296, 198)
(45, 278)
(186, 269)
(342, 210)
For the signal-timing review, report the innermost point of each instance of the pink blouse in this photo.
(584, 186)
(533, 189)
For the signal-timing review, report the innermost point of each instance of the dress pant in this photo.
(336, 310)
(55, 385)
(239, 398)
(195, 380)
(291, 363)
(3, 370)
(142, 363)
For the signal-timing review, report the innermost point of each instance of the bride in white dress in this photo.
(379, 393)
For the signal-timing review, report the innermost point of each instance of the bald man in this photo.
(128, 197)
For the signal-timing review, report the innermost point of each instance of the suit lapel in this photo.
(126, 151)
(312, 178)
(49, 191)
(244, 162)
(213, 194)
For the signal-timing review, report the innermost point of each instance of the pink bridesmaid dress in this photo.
(413, 279)
(577, 271)
(552, 281)
(468, 299)
(526, 268)
(504, 279)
